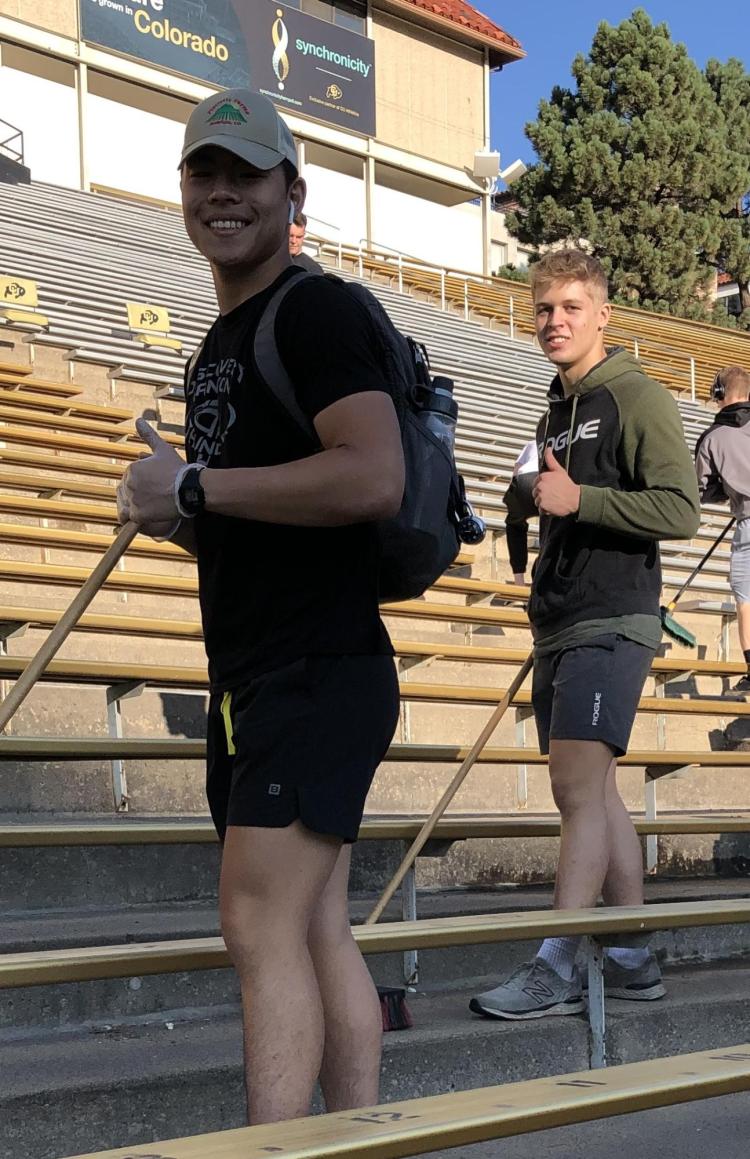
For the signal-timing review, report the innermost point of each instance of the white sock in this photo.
(627, 958)
(560, 954)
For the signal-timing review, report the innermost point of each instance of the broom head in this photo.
(675, 630)
(395, 1012)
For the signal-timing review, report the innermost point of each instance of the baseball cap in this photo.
(244, 123)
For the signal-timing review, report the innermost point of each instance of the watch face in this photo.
(192, 497)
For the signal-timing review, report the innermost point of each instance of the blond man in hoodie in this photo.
(616, 476)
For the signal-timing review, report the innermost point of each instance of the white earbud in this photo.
(292, 212)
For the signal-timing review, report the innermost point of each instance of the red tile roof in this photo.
(463, 14)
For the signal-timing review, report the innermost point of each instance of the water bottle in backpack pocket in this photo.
(422, 541)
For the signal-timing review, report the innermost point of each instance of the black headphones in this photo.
(718, 389)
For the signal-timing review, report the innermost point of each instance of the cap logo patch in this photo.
(228, 112)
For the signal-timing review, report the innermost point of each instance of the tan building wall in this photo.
(59, 16)
(429, 89)
(429, 92)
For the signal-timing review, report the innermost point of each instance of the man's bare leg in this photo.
(743, 624)
(578, 772)
(272, 880)
(350, 1074)
(623, 884)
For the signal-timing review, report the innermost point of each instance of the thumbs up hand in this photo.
(146, 491)
(555, 493)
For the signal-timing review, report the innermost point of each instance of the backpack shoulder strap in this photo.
(268, 360)
(191, 364)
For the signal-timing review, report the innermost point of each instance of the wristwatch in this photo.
(191, 498)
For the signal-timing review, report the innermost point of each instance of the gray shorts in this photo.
(739, 567)
(590, 691)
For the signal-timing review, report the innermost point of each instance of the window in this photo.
(351, 14)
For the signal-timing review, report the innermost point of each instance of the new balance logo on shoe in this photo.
(539, 991)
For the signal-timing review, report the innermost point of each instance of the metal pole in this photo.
(597, 1017)
(81, 81)
(409, 914)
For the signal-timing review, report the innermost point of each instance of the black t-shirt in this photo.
(271, 593)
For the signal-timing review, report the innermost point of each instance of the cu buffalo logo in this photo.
(334, 93)
(148, 318)
(15, 291)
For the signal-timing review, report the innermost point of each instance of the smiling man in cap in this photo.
(304, 695)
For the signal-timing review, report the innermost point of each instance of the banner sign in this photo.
(303, 64)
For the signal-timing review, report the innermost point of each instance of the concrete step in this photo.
(125, 875)
(161, 1078)
(119, 1001)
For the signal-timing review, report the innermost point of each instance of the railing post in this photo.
(511, 317)
(466, 299)
(7, 632)
(692, 378)
(652, 846)
(400, 274)
(115, 694)
(341, 255)
(652, 839)
(597, 1017)
(636, 348)
(442, 290)
(409, 914)
(523, 713)
(361, 267)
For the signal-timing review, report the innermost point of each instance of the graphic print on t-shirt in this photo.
(211, 414)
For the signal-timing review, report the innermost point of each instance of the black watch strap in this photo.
(192, 498)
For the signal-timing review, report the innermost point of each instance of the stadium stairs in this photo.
(106, 1061)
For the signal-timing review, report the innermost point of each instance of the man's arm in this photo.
(709, 481)
(664, 502)
(357, 477)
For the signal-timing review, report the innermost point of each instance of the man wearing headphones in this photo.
(722, 460)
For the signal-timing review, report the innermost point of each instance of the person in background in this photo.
(297, 231)
(722, 462)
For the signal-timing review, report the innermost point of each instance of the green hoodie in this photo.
(620, 436)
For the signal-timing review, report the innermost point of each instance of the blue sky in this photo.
(553, 31)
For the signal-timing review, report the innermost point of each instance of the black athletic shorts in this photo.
(303, 741)
(590, 691)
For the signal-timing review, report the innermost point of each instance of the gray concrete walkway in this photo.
(706, 1130)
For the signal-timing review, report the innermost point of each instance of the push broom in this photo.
(668, 623)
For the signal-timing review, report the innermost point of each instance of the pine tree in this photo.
(731, 87)
(634, 163)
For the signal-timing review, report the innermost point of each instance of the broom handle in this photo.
(671, 606)
(426, 831)
(66, 623)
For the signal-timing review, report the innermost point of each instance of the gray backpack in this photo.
(423, 540)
